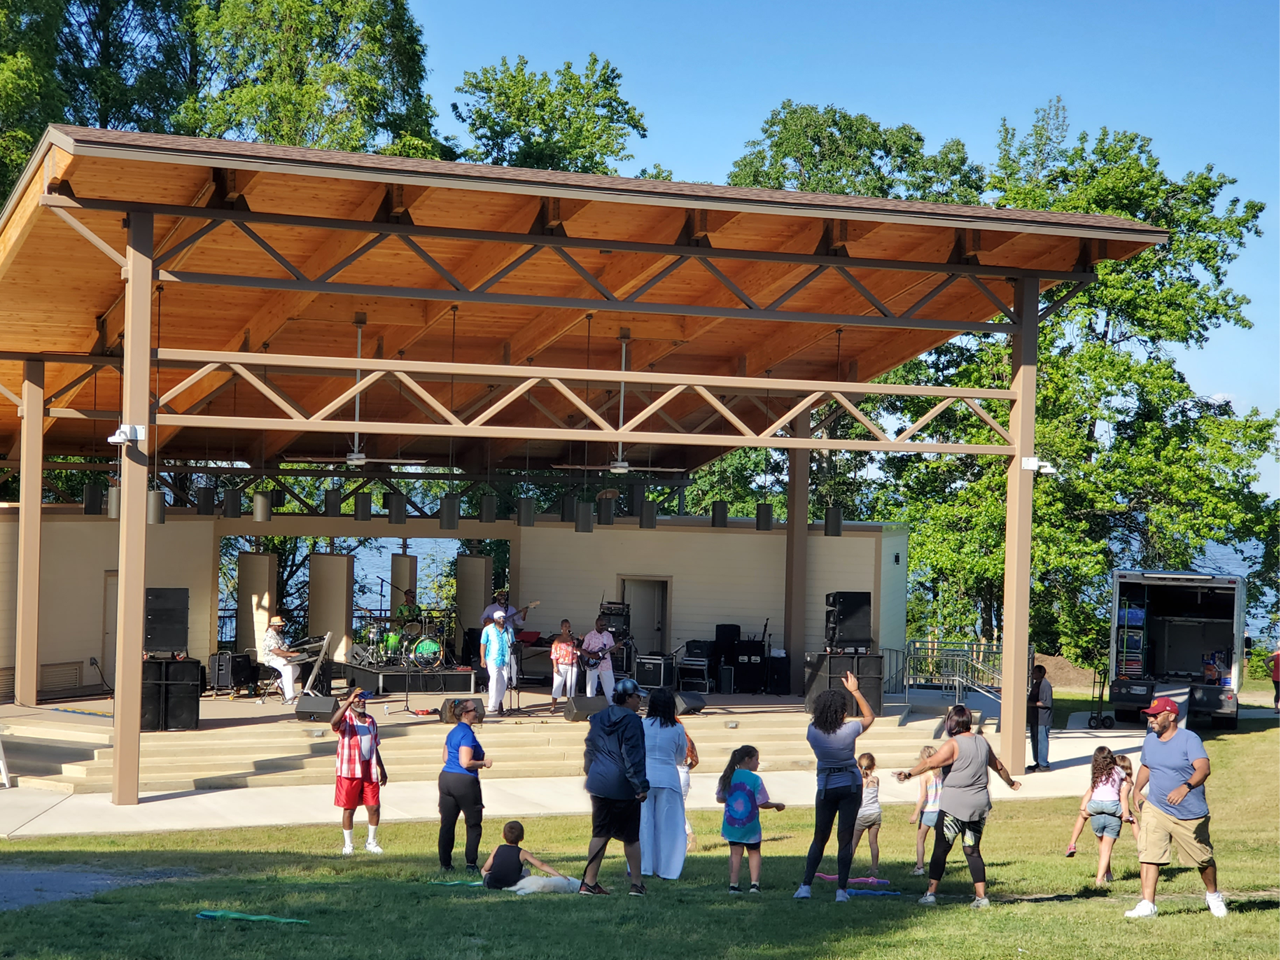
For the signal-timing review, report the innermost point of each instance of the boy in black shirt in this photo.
(506, 865)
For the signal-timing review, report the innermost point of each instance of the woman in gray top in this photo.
(965, 760)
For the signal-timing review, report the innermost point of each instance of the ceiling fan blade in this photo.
(608, 466)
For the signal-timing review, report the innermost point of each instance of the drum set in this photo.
(418, 643)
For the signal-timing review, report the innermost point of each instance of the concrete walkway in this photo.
(33, 813)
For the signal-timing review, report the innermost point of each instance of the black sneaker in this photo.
(592, 890)
(755, 888)
(472, 868)
(637, 890)
(446, 868)
(734, 888)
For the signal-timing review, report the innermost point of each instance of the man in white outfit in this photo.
(515, 622)
(495, 653)
(596, 646)
(273, 651)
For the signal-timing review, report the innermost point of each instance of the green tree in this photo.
(30, 96)
(576, 121)
(343, 75)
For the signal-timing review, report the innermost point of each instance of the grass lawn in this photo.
(1043, 904)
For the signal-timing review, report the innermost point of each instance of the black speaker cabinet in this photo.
(315, 709)
(724, 679)
(750, 672)
(580, 708)
(166, 624)
(848, 617)
(689, 702)
(471, 647)
(152, 694)
(827, 672)
(779, 676)
(654, 672)
(182, 694)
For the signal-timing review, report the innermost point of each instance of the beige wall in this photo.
(76, 553)
(893, 589)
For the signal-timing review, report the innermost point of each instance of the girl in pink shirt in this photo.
(1106, 804)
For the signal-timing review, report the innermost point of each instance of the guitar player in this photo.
(596, 647)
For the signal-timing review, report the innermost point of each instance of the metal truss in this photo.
(489, 292)
(514, 386)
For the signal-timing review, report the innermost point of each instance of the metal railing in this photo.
(962, 665)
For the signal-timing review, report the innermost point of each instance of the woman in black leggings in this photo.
(834, 739)
(460, 785)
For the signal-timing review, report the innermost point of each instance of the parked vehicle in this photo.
(1176, 633)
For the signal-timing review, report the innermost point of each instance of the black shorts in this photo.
(749, 846)
(615, 819)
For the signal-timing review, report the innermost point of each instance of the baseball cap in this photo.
(499, 614)
(1161, 705)
(363, 695)
(628, 687)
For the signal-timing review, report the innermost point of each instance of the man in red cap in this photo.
(1175, 766)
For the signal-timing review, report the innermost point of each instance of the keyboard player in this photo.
(273, 650)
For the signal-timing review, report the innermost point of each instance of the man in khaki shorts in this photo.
(1175, 766)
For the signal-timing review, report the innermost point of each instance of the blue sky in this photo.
(1199, 79)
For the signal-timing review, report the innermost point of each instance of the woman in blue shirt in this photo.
(460, 785)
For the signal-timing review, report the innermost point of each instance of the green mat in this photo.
(232, 915)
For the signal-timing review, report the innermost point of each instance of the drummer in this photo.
(408, 611)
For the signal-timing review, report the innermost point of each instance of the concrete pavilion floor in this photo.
(28, 812)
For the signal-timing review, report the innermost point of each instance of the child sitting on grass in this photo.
(743, 794)
(506, 865)
(928, 802)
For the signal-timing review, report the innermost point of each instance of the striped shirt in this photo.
(352, 762)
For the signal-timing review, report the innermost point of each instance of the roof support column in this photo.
(797, 575)
(132, 564)
(1017, 534)
(26, 669)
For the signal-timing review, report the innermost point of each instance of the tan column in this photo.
(26, 669)
(797, 574)
(256, 599)
(1017, 535)
(329, 597)
(132, 563)
(404, 576)
(473, 591)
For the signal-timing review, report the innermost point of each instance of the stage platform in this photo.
(387, 680)
(240, 743)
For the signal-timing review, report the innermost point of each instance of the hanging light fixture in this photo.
(113, 503)
(584, 520)
(450, 511)
(155, 506)
(719, 513)
(526, 511)
(92, 500)
(568, 508)
(764, 516)
(231, 504)
(333, 503)
(833, 524)
(261, 507)
(204, 501)
(648, 515)
(604, 511)
(488, 508)
(396, 505)
(362, 506)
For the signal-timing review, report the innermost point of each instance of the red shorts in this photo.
(353, 792)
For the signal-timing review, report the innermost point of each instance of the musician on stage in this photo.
(273, 651)
(596, 647)
(564, 661)
(360, 770)
(515, 621)
(495, 655)
(408, 611)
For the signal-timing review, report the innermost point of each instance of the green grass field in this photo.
(1043, 904)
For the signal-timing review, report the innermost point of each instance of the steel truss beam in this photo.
(513, 385)
(485, 293)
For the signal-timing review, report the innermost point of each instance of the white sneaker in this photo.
(919, 872)
(980, 903)
(1217, 906)
(1146, 908)
(842, 896)
(348, 850)
(803, 893)
(372, 846)
(928, 900)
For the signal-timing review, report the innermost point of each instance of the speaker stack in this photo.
(170, 694)
(824, 671)
(848, 626)
(750, 666)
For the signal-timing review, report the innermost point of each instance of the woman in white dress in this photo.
(662, 836)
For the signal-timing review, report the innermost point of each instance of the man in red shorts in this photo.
(360, 769)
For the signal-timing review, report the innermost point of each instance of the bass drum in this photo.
(427, 654)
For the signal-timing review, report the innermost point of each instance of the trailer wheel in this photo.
(1108, 722)
(1093, 723)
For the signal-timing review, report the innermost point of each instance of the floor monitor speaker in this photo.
(689, 702)
(315, 709)
(580, 708)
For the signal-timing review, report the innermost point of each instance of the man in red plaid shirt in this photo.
(360, 769)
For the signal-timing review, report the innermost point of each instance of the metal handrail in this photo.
(966, 665)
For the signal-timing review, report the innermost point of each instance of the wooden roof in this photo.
(60, 295)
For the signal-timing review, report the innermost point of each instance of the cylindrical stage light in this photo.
(450, 511)
(362, 506)
(583, 522)
(92, 500)
(526, 511)
(278, 498)
(764, 516)
(604, 511)
(488, 508)
(397, 507)
(333, 503)
(719, 513)
(155, 506)
(232, 504)
(262, 507)
(113, 503)
(833, 525)
(568, 508)
(204, 501)
(648, 515)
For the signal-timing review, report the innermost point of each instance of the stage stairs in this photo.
(71, 757)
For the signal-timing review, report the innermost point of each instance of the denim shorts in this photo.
(929, 819)
(1104, 818)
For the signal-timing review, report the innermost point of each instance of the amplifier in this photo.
(779, 677)
(724, 680)
(751, 673)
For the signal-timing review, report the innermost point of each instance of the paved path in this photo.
(26, 812)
